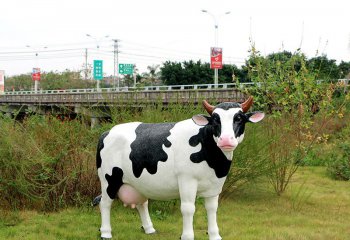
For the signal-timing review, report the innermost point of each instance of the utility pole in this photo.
(86, 63)
(116, 63)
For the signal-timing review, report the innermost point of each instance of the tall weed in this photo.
(46, 163)
(300, 108)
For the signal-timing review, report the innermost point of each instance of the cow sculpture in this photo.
(140, 161)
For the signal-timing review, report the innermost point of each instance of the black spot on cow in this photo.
(239, 121)
(115, 181)
(228, 105)
(146, 149)
(210, 152)
(100, 146)
(215, 123)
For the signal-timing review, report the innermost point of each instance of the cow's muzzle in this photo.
(227, 143)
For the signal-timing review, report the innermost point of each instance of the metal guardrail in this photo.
(126, 97)
(345, 82)
(133, 89)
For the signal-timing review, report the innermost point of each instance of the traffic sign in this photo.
(125, 68)
(215, 58)
(2, 82)
(98, 69)
(36, 74)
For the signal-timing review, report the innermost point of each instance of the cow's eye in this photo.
(216, 120)
(238, 118)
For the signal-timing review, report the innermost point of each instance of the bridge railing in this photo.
(133, 89)
(345, 82)
(126, 97)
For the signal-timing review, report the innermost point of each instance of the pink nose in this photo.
(226, 141)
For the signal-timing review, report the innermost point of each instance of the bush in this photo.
(300, 108)
(46, 164)
(249, 159)
(339, 163)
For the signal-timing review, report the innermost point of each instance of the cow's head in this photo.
(227, 121)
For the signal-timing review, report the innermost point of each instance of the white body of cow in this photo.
(181, 174)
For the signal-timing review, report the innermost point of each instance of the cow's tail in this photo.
(96, 201)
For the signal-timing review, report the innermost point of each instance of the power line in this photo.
(128, 51)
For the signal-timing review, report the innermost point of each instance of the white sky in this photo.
(153, 31)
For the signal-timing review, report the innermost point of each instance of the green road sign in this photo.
(125, 68)
(98, 70)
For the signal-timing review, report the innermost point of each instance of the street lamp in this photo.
(216, 32)
(97, 40)
(36, 50)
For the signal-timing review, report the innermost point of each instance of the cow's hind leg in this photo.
(147, 224)
(211, 205)
(105, 208)
(110, 185)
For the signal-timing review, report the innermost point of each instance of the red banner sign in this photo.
(215, 58)
(2, 81)
(36, 74)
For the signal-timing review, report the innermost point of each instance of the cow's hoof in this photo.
(149, 231)
(187, 237)
(106, 236)
(216, 237)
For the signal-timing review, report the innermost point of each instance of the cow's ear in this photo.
(255, 117)
(200, 120)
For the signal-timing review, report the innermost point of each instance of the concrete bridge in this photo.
(98, 104)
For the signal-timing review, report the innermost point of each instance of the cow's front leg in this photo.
(211, 205)
(105, 208)
(188, 191)
(145, 218)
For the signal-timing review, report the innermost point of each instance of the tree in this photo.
(190, 72)
(344, 69)
(282, 57)
(324, 68)
(19, 83)
(49, 81)
(154, 75)
(299, 107)
(65, 80)
(172, 73)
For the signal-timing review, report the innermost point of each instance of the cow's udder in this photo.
(130, 196)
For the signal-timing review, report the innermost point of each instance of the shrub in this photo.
(339, 163)
(46, 163)
(300, 107)
(249, 159)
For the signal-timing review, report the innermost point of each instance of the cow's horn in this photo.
(208, 107)
(247, 104)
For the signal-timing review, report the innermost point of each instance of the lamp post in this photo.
(216, 37)
(97, 40)
(36, 50)
(116, 63)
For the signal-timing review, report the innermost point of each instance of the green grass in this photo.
(313, 207)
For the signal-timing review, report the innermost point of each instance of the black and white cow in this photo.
(140, 161)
